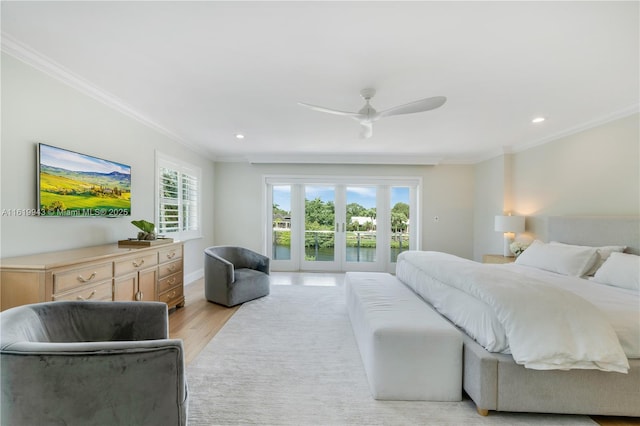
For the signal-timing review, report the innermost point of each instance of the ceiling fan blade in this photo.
(331, 111)
(416, 106)
(366, 130)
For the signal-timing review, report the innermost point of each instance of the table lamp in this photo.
(510, 225)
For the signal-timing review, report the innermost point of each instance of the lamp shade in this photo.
(509, 224)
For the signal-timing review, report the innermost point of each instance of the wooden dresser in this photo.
(105, 272)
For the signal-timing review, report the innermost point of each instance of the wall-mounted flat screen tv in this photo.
(80, 185)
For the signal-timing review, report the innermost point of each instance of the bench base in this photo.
(409, 351)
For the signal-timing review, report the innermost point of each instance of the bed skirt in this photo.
(495, 382)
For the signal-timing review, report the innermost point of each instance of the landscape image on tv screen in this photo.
(73, 184)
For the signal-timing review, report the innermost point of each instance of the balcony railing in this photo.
(319, 245)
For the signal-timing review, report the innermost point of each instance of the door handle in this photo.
(342, 226)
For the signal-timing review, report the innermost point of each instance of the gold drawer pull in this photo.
(136, 264)
(171, 255)
(172, 280)
(93, 293)
(172, 267)
(85, 280)
(172, 294)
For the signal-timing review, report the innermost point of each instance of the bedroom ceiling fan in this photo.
(367, 114)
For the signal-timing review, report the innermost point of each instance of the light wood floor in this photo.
(200, 320)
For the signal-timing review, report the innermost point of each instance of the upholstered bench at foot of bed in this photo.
(408, 350)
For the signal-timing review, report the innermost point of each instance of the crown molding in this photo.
(488, 155)
(616, 115)
(505, 150)
(367, 159)
(42, 63)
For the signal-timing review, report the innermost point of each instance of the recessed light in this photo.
(239, 136)
(538, 120)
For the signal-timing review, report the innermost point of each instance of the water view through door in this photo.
(339, 227)
(320, 227)
(360, 242)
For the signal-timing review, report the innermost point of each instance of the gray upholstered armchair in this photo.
(91, 363)
(234, 275)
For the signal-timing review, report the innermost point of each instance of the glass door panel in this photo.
(319, 226)
(361, 233)
(281, 218)
(337, 225)
(400, 220)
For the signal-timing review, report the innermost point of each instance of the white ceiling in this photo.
(204, 71)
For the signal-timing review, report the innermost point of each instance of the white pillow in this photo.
(603, 253)
(567, 260)
(620, 270)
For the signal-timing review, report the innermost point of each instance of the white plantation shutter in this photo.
(190, 201)
(168, 208)
(178, 191)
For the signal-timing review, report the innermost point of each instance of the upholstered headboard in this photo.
(596, 231)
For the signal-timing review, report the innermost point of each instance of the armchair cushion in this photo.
(89, 363)
(85, 322)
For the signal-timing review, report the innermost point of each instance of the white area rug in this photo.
(291, 359)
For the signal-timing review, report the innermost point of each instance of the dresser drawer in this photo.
(66, 280)
(169, 282)
(167, 269)
(173, 253)
(171, 296)
(136, 263)
(100, 291)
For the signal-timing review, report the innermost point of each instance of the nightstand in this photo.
(497, 258)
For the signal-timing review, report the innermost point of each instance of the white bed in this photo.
(620, 305)
(584, 335)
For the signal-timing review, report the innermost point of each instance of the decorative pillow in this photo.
(603, 253)
(620, 270)
(567, 260)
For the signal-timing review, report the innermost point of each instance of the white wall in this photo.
(489, 201)
(447, 193)
(38, 108)
(593, 172)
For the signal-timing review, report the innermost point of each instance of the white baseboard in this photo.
(194, 276)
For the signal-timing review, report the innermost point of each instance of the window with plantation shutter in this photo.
(178, 190)
(189, 202)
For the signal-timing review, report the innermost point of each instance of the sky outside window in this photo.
(365, 196)
(399, 194)
(282, 197)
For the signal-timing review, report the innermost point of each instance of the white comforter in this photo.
(544, 327)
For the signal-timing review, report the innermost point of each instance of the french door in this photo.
(340, 228)
(339, 224)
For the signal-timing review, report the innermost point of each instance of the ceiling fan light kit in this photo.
(368, 114)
